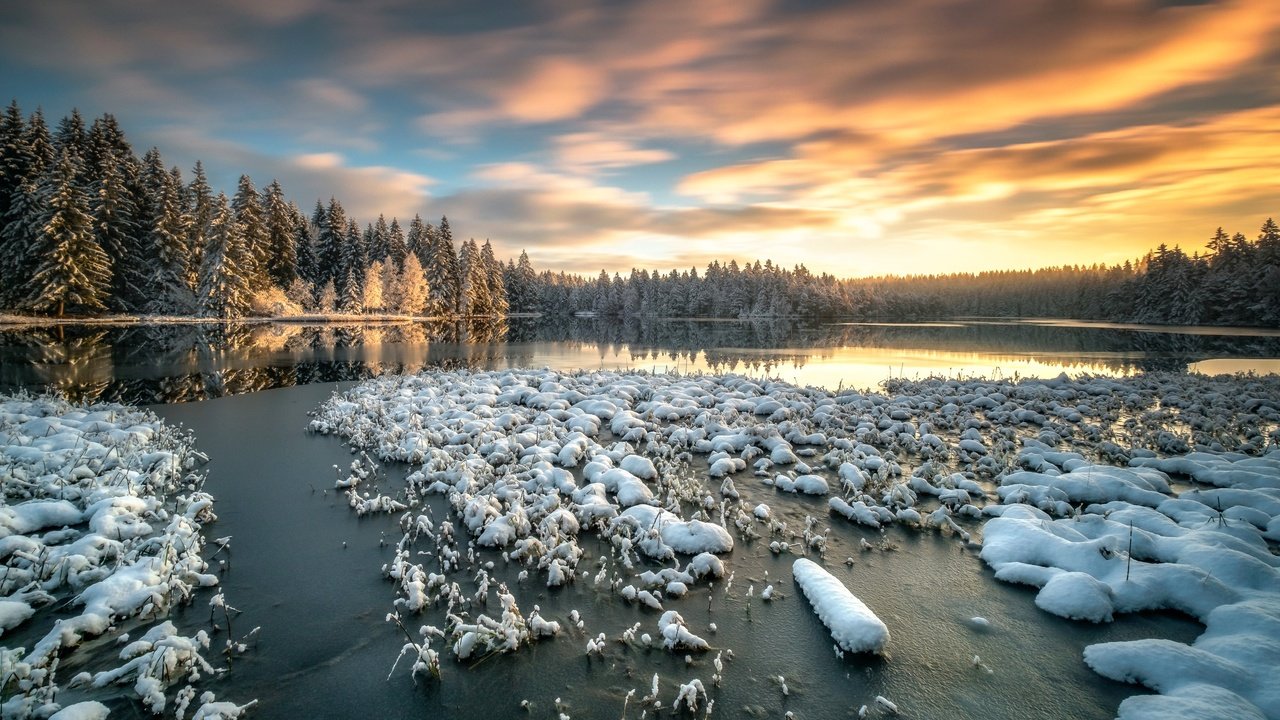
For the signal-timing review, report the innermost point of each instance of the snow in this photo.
(853, 625)
(1070, 476)
(103, 513)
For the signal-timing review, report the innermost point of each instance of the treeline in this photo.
(88, 227)
(1236, 282)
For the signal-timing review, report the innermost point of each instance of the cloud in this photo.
(592, 152)
(365, 191)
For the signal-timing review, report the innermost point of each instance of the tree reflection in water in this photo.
(181, 363)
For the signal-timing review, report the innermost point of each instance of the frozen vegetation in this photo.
(101, 532)
(1109, 495)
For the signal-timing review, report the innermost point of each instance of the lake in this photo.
(305, 569)
(180, 363)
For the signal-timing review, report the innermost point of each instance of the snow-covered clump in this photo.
(853, 625)
(103, 511)
(650, 464)
(1137, 548)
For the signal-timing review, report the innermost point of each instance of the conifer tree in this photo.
(253, 227)
(21, 225)
(411, 289)
(114, 223)
(71, 269)
(282, 253)
(416, 241)
(224, 287)
(332, 223)
(351, 271)
(72, 138)
(396, 247)
(200, 209)
(164, 282)
(495, 288)
(308, 266)
(373, 300)
(475, 286)
(379, 241)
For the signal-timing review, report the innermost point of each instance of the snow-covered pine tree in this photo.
(71, 138)
(19, 228)
(1267, 277)
(475, 286)
(200, 215)
(224, 287)
(525, 295)
(13, 157)
(329, 245)
(281, 248)
(304, 242)
(327, 299)
(71, 269)
(495, 288)
(114, 220)
(417, 241)
(373, 300)
(412, 288)
(450, 270)
(396, 247)
(325, 251)
(14, 161)
(253, 227)
(380, 240)
(351, 268)
(165, 282)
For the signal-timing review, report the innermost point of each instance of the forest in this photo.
(89, 228)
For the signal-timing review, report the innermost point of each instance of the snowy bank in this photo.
(103, 511)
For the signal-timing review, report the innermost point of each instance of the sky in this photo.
(857, 137)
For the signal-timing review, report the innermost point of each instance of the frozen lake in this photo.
(177, 363)
(305, 569)
(325, 645)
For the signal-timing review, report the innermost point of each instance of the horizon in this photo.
(859, 141)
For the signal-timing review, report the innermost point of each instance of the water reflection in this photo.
(180, 363)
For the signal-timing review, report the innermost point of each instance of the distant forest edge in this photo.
(88, 228)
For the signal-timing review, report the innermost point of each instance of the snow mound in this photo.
(853, 625)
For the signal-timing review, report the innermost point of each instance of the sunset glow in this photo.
(855, 138)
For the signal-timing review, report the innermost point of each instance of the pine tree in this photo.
(1266, 286)
(327, 300)
(308, 266)
(416, 242)
(475, 287)
(412, 289)
(15, 161)
(373, 300)
(440, 262)
(114, 222)
(21, 224)
(329, 240)
(71, 138)
(165, 288)
(524, 295)
(71, 268)
(282, 253)
(13, 157)
(224, 287)
(495, 289)
(351, 271)
(396, 247)
(379, 242)
(200, 214)
(253, 227)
